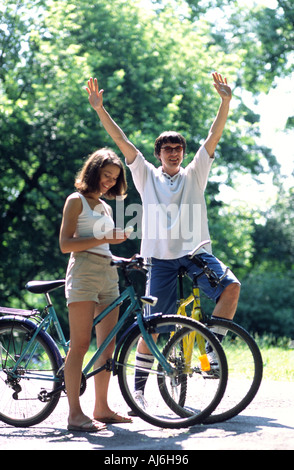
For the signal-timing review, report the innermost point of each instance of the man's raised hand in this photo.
(222, 86)
(95, 95)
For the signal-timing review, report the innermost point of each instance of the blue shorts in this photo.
(163, 277)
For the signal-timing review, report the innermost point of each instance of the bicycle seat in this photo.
(42, 287)
(197, 249)
(149, 299)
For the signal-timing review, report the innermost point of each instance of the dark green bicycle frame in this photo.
(133, 309)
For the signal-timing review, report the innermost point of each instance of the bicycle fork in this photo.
(188, 343)
(166, 367)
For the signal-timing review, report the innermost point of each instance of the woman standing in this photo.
(86, 231)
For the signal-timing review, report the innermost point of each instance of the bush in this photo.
(266, 304)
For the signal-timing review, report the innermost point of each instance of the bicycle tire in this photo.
(24, 395)
(159, 411)
(247, 361)
(183, 401)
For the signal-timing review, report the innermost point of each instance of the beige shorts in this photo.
(90, 277)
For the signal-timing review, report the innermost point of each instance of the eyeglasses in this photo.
(169, 149)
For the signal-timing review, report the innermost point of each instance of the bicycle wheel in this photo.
(245, 369)
(202, 392)
(24, 391)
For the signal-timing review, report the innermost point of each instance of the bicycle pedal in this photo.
(213, 373)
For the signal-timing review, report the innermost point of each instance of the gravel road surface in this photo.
(267, 424)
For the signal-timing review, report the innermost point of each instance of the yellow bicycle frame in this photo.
(188, 343)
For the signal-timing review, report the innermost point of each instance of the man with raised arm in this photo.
(174, 216)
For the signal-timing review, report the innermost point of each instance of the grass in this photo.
(277, 355)
(278, 358)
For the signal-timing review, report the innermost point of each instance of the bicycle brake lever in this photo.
(214, 280)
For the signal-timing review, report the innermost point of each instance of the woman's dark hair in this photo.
(168, 137)
(88, 178)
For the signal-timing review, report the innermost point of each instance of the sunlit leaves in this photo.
(154, 61)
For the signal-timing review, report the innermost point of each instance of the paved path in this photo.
(267, 424)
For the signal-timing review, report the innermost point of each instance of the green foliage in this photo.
(273, 240)
(231, 233)
(262, 36)
(267, 303)
(155, 67)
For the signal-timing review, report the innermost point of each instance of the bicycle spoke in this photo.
(25, 381)
(163, 392)
(244, 370)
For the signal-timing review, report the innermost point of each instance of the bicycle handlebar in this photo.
(45, 287)
(213, 279)
(136, 262)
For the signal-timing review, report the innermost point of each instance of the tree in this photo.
(155, 68)
(273, 240)
(264, 37)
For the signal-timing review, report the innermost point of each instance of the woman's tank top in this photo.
(95, 222)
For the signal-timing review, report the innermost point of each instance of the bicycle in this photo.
(245, 365)
(31, 373)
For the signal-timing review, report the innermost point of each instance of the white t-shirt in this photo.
(95, 222)
(174, 216)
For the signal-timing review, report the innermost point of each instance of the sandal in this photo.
(87, 426)
(115, 418)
